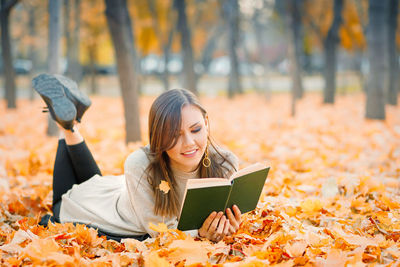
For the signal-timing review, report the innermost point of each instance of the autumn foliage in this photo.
(332, 197)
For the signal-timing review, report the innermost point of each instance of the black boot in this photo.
(57, 89)
(80, 99)
(62, 110)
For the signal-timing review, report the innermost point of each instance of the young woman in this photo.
(179, 148)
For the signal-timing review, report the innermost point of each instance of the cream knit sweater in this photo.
(123, 204)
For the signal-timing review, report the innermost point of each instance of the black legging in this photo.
(74, 164)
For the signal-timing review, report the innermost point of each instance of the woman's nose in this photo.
(188, 139)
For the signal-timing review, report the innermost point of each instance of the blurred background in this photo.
(211, 47)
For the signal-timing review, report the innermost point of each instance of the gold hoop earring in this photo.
(206, 159)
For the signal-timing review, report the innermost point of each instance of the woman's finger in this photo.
(237, 212)
(215, 222)
(232, 218)
(232, 229)
(226, 228)
(206, 224)
(221, 226)
(209, 220)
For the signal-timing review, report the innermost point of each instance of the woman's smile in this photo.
(190, 153)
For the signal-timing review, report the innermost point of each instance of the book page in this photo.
(203, 183)
(199, 203)
(246, 190)
(248, 169)
(207, 182)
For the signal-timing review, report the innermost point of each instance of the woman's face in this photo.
(192, 141)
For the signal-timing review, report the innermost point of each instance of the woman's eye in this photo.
(196, 130)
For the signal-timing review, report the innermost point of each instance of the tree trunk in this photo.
(119, 24)
(92, 68)
(8, 69)
(67, 33)
(190, 79)
(393, 81)
(74, 68)
(167, 52)
(135, 56)
(231, 13)
(54, 51)
(297, 40)
(375, 108)
(33, 53)
(210, 46)
(258, 33)
(251, 75)
(166, 45)
(294, 71)
(330, 44)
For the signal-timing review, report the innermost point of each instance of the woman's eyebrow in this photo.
(194, 124)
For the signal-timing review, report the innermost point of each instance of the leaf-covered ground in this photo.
(332, 197)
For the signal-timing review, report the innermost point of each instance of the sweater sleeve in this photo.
(141, 194)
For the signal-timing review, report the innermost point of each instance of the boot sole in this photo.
(74, 94)
(61, 108)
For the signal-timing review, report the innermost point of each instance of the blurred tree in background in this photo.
(54, 50)
(119, 23)
(72, 24)
(10, 93)
(393, 61)
(330, 43)
(377, 60)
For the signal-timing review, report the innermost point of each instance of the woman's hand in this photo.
(234, 219)
(215, 227)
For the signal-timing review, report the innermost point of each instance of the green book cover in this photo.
(204, 196)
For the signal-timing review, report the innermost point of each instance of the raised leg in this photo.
(64, 176)
(82, 159)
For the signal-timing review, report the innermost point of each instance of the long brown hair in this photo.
(164, 126)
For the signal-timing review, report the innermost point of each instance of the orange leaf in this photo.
(160, 227)
(190, 250)
(153, 260)
(42, 250)
(164, 186)
(311, 205)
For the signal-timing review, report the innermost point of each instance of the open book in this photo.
(203, 196)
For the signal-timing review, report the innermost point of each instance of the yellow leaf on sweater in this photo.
(164, 187)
